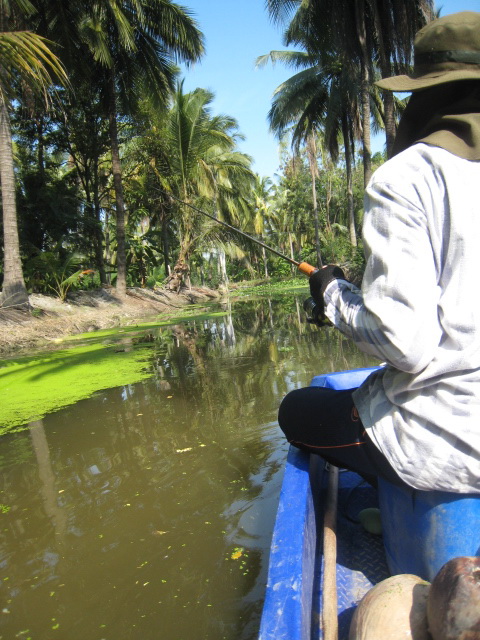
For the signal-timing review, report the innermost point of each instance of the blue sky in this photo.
(236, 33)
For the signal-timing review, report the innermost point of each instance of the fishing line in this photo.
(304, 267)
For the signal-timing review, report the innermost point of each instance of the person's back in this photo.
(422, 239)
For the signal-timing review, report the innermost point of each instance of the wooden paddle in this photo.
(329, 587)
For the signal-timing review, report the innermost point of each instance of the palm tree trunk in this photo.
(386, 70)
(292, 254)
(312, 160)
(181, 271)
(223, 267)
(98, 236)
(165, 245)
(121, 286)
(390, 125)
(108, 253)
(14, 292)
(40, 149)
(265, 263)
(348, 165)
(178, 278)
(365, 90)
(326, 163)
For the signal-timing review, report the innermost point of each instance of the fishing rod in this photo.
(304, 267)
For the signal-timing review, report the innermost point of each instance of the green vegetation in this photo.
(107, 146)
(199, 313)
(271, 287)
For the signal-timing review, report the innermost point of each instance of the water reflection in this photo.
(146, 511)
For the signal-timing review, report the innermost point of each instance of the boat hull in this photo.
(421, 531)
(293, 601)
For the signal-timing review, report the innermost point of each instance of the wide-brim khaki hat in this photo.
(445, 50)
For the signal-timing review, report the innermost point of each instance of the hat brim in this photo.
(406, 83)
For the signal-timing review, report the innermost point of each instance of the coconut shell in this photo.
(453, 606)
(394, 609)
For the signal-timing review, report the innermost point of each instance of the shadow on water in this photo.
(146, 510)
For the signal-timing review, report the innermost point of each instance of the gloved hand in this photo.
(319, 280)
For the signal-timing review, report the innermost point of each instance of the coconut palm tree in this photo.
(132, 48)
(24, 55)
(395, 25)
(284, 219)
(261, 211)
(206, 169)
(316, 27)
(321, 97)
(142, 41)
(374, 33)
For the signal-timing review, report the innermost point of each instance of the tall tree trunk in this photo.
(365, 90)
(121, 286)
(178, 279)
(99, 260)
(312, 160)
(349, 167)
(292, 254)
(108, 253)
(180, 275)
(14, 292)
(390, 124)
(265, 263)
(326, 165)
(40, 149)
(386, 70)
(222, 262)
(165, 244)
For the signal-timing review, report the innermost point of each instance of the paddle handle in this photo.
(330, 612)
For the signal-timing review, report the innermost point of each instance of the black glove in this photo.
(319, 280)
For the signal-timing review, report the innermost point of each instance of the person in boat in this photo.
(415, 421)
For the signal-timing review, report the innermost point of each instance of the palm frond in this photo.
(28, 55)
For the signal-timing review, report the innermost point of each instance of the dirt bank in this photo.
(84, 311)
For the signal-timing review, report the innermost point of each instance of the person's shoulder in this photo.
(419, 157)
(412, 164)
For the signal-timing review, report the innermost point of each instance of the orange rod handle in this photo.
(306, 268)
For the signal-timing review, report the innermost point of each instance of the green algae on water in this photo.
(32, 387)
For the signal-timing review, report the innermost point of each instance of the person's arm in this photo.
(395, 316)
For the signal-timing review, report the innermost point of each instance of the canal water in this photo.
(145, 511)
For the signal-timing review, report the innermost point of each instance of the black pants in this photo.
(326, 422)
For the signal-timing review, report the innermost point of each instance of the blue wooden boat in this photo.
(421, 531)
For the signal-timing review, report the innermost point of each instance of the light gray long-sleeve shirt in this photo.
(419, 311)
